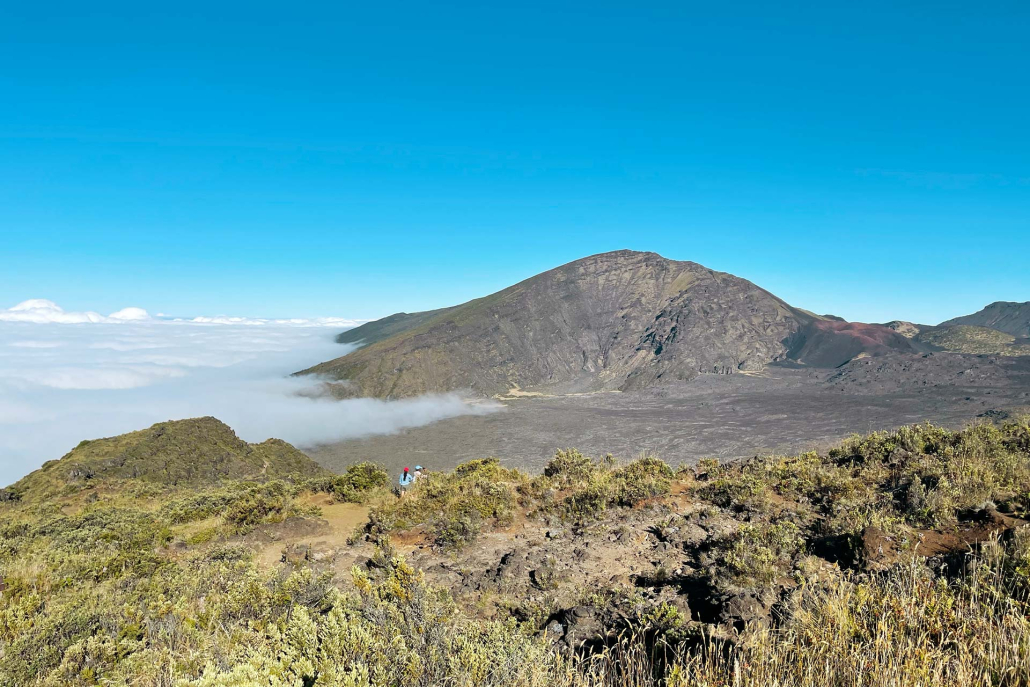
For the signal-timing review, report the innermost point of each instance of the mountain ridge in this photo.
(1009, 317)
(611, 321)
(177, 453)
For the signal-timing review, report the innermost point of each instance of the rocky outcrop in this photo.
(906, 329)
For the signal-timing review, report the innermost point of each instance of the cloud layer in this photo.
(112, 374)
(42, 311)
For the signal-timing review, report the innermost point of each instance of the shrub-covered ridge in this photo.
(898, 558)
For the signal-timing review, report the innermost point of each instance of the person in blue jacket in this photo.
(406, 481)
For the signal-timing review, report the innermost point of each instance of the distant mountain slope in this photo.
(610, 321)
(198, 451)
(371, 332)
(969, 339)
(617, 320)
(1011, 318)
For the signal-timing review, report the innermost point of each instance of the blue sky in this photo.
(306, 159)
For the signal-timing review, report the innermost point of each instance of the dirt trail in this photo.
(339, 521)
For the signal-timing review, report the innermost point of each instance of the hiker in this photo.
(406, 480)
(419, 471)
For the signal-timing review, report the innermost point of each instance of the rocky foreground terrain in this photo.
(898, 558)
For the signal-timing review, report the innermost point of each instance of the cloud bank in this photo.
(42, 311)
(112, 374)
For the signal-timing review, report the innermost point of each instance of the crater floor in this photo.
(781, 410)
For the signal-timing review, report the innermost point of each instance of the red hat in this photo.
(405, 469)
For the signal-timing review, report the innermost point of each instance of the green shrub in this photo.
(272, 502)
(455, 533)
(202, 536)
(477, 491)
(605, 486)
(759, 554)
(920, 475)
(568, 467)
(92, 596)
(357, 485)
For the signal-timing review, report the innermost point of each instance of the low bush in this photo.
(271, 502)
(761, 553)
(605, 486)
(568, 467)
(455, 532)
(455, 504)
(358, 484)
(918, 476)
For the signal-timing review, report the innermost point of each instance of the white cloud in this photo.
(59, 385)
(293, 322)
(42, 311)
(129, 315)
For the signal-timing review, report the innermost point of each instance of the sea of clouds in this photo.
(69, 376)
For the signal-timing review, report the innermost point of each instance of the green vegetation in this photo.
(160, 585)
(907, 628)
(194, 452)
(357, 485)
(573, 486)
(111, 594)
(604, 485)
(758, 552)
(970, 339)
(242, 505)
(454, 505)
(919, 476)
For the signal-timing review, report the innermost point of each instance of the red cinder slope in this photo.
(826, 343)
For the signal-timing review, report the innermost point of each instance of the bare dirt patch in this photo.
(308, 538)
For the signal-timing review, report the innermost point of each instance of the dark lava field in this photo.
(780, 410)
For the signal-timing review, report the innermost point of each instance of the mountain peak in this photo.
(612, 321)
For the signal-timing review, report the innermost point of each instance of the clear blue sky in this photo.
(356, 159)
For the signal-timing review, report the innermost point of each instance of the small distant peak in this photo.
(198, 451)
(906, 329)
(205, 421)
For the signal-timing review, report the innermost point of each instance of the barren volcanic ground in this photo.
(781, 410)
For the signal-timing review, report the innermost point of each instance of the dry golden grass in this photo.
(907, 628)
(96, 598)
